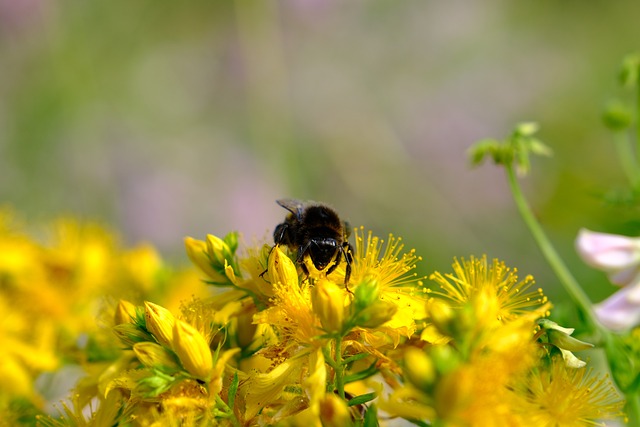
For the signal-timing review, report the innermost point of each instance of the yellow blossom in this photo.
(261, 390)
(558, 395)
(392, 270)
(494, 290)
(291, 312)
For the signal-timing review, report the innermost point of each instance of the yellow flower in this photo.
(290, 311)
(192, 350)
(261, 390)
(392, 270)
(493, 290)
(558, 395)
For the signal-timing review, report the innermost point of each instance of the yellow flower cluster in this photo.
(56, 281)
(272, 345)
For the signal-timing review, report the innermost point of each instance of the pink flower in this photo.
(619, 257)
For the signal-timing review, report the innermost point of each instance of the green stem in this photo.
(339, 368)
(632, 409)
(560, 269)
(637, 120)
(627, 158)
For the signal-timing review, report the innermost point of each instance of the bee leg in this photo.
(336, 262)
(267, 269)
(280, 236)
(305, 270)
(347, 249)
(302, 250)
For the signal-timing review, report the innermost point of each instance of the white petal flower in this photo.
(619, 256)
(621, 310)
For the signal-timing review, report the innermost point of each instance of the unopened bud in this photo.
(327, 299)
(154, 355)
(159, 322)
(334, 411)
(129, 334)
(281, 268)
(125, 312)
(192, 350)
(441, 315)
(376, 314)
(197, 252)
(419, 368)
(366, 294)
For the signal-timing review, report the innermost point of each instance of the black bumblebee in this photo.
(316, 230)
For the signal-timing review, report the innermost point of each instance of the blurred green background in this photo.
(167, 119)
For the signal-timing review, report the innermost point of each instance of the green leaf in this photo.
(358, 376)
(371, 417)
(233, 389)
(231, 240)
(481, 149)
(354, 358)
(526, 129)
(362, 399)
(539, 148)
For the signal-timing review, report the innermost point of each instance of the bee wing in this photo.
(294, 206)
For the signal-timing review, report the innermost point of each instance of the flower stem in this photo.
(339, 368)
(637, 120)
(632, 409)
(557, 264)
(627, 158)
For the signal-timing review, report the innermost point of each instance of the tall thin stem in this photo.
(557, 264)
(627, 157)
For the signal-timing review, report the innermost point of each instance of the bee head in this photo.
(322, 252)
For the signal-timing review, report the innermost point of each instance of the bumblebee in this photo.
(316, 230)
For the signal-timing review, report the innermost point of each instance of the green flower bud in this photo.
(366, 293)
(376, 314)
(617, 116)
